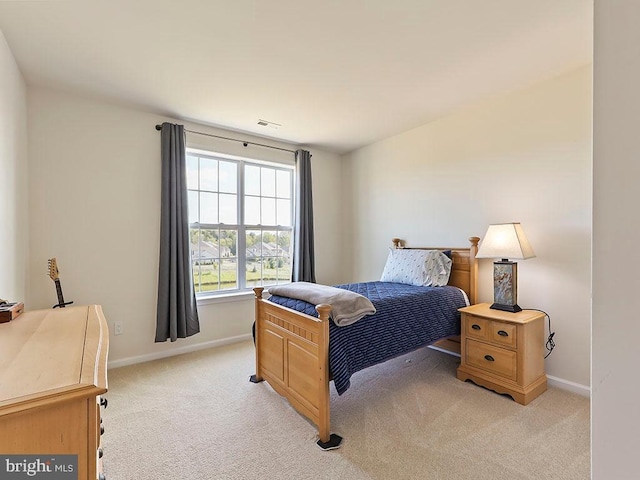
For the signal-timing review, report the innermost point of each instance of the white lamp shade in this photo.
(505, 240)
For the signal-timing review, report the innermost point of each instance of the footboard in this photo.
(292, 354)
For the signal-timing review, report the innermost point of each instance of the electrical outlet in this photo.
(117, 328)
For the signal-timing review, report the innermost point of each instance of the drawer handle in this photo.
(101, 430)
(502, 333)
(476, 327)
(104, 402)
(100, 453)
(489, 358)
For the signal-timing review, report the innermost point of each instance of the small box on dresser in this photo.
(503, 351)
(10, 311)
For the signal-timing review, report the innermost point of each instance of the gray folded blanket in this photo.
(347, 307)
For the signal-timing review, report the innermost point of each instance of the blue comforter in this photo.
(407, 317)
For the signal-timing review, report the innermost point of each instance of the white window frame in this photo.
(242, 291)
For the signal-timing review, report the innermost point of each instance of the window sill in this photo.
(224, 298)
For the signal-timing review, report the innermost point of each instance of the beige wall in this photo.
(521, 157)
(95, 187)
(14, 236)
(616, 164)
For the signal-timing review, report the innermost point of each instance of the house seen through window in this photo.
(241, 222)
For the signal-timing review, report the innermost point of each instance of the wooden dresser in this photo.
(503, 351)
(53, 371)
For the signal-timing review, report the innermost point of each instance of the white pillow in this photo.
(417, 267)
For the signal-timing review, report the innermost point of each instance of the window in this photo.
(240, 222)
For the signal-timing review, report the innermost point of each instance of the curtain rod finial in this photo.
(158, 127)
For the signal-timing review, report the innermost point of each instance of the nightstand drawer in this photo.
(492, 359)
(503, 334)
(477, 327)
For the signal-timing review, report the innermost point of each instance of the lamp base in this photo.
(506, 308)
(505, 286)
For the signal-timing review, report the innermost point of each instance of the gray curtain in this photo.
(177, 315)
(303, 267)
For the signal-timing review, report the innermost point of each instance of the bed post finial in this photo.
(397, 243)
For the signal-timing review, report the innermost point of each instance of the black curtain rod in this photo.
(244, 142)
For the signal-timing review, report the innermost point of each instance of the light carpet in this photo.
(197, 416)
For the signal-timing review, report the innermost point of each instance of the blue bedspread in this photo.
(407, 317)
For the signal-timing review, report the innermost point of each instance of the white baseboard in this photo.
(578, 388)
(177, 351)
(552, 381)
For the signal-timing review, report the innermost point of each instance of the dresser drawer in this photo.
(498, 361)
(503, 334)
(477, 327)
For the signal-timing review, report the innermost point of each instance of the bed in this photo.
(293, 347)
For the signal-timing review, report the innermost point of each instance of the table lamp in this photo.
(507, 242)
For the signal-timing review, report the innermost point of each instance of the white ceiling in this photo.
(336, 75)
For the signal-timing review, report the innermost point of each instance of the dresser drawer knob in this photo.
(475, 326)
(101, 430)
(102, 476)
(104, 402)
(502, 333)
(100, 453)
(489, 358)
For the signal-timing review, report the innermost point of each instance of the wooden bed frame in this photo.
(292, 348)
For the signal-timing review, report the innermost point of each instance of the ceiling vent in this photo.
(266, 123)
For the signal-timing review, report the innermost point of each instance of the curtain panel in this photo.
(177, 314)
(303, 265)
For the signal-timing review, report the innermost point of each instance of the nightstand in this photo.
(503, 351)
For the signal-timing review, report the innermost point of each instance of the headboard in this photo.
(464, 269)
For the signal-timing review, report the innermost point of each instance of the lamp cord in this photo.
(550, 344)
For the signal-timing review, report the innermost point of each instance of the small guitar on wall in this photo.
(53, 273)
